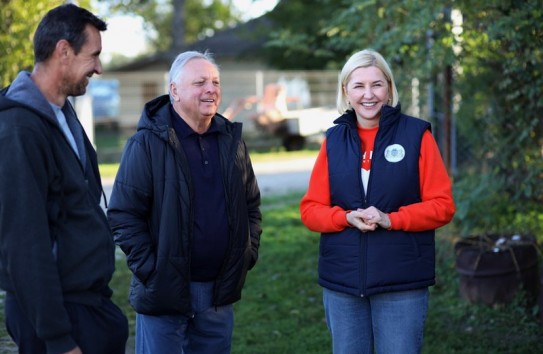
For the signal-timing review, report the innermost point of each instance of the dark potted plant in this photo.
(494, 268)
(500, 257)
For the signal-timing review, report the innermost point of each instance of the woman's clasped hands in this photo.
(368, 219)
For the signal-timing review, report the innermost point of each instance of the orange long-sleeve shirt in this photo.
(435, 210)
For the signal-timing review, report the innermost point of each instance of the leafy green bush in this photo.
(485, 205)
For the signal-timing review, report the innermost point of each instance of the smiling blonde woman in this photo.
(377, 192)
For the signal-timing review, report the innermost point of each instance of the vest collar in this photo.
(389, 115)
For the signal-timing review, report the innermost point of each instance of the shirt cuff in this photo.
(395, 221)
(339, 219)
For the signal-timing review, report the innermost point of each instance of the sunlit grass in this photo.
(281, 155)
(281, 309)
(108, 170)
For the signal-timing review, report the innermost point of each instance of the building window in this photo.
(150, 91)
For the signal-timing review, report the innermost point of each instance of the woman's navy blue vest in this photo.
(379, 261)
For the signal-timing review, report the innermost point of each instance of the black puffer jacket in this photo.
(55, 242)
(151, 213)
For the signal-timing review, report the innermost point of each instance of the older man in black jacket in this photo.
(185, 208)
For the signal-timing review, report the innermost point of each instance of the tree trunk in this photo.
(178, 25)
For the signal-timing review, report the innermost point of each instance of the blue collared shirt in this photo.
(210, 229)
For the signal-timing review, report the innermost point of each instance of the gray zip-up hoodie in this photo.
(55, 242)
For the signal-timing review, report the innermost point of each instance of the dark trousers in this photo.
(96, 329)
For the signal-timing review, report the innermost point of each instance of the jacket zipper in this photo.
(364, 243)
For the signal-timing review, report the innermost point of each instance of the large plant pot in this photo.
(493, 268)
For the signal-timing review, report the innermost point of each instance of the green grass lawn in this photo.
(281, 309)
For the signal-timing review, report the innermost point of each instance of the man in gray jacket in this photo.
(56, 247)
(185, 208)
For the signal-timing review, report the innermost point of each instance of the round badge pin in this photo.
(394, 153)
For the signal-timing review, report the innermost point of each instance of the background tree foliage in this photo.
(497, 86)
(194, 19)
(489, 71)
(18, 22)
(501, 116)
(300, 39)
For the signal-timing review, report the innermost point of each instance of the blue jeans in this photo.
(390, 323)
(208, 332)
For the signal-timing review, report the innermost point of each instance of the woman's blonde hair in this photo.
(363, 59)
